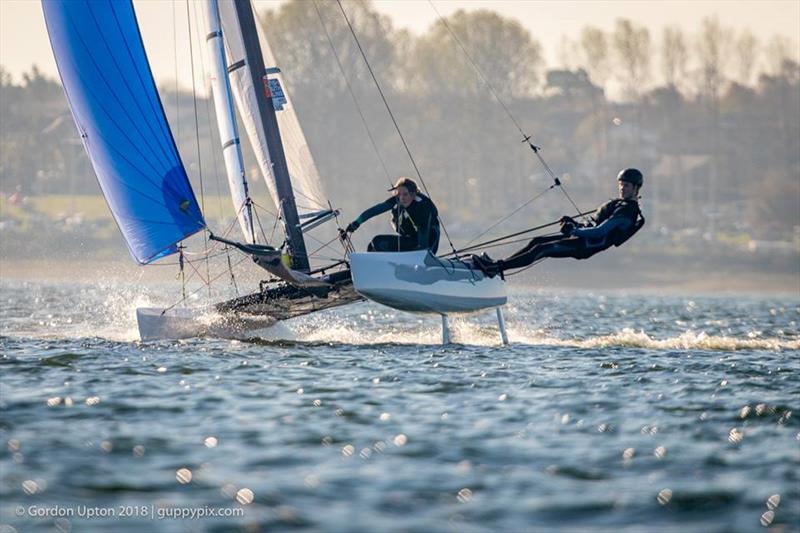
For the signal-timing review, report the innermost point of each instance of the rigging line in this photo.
(352, 93)
(316, 207)
(274, 227)
(193, 254)
(213, 251)
(234, 221)
(529, 230)
(495, 245)
(383, 97)
(323, 268)
(215, 162)
(523, 269)
(248, 204)
(514, 212)
(259, 206)
(197, 140)
(525, 137)
(345, 241)
(175, 59)
(260, 227)
(194, 271)
(182, 271)
(230, 269)
(333, 260)
(305, 173)
(391, 115)
(318, 204)
(479, 71)
(324, 245)
(199, 275)
(570, 200)
(200, 288)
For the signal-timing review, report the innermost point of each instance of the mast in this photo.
(258, 72)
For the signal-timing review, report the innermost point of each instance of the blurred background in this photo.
(708, 111)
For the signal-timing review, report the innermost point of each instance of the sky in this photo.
(23, 37)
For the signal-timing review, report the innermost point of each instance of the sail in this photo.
(116, 107)
(306, 182)
(228, 132)
(244, 35)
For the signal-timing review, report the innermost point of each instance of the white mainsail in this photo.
(228, 132)
(306, 182)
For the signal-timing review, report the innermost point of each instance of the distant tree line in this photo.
(713, 119)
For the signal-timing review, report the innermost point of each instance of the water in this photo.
(609, 412)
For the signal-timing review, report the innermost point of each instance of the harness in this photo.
(637, 225)
(400, 214)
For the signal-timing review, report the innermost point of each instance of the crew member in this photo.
(414, 217)
(613, 223)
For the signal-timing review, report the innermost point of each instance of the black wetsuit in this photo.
(613, 223)
(417, 225)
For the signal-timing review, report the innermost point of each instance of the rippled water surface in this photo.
(608, 412)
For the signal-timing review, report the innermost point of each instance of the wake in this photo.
(109, 312)
(463, 331)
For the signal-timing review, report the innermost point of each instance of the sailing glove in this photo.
(351, 227)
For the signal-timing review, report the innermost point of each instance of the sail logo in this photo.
(276, 91)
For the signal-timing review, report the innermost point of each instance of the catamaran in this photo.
(126, 134)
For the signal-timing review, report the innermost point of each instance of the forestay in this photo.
(116, 107)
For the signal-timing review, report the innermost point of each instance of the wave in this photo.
(464, 331)
(109, 312)
(689, 340)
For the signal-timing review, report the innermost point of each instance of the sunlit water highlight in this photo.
(607, 412)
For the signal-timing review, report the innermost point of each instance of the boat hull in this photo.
(184, 323)
(246, 314)
(420, 282)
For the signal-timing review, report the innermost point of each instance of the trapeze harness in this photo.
(585, 241)
(417, 225)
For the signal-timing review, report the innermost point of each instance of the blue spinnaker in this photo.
(116, 107)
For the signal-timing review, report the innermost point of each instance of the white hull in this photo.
(419, 282)
(184, 323)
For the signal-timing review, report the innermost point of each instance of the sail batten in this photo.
(141, 84)
(100, 96)
(115, 104)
